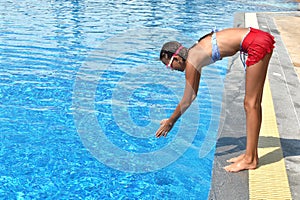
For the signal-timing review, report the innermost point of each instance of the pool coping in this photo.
(284, 85)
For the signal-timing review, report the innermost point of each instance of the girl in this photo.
(258, 45)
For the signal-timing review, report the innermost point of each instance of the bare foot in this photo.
(236, 159)
(240, 165)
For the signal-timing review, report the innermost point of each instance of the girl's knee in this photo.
(252, 104)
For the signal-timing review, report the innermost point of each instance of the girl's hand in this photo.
(165, 127)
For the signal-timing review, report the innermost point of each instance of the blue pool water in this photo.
(82, 94)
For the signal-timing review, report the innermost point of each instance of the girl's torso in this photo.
(227, 40)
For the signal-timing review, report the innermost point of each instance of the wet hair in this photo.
(169, 48)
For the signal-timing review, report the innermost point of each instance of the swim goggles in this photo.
(169, 65)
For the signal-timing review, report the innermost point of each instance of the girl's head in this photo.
(174, 55)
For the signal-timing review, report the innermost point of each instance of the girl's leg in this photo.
(255, 78)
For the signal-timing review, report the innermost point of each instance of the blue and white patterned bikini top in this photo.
(215, 52)
(199, 57)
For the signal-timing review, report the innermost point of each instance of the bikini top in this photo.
(199, 57)
(215, 52)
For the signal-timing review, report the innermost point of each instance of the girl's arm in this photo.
(192, 76)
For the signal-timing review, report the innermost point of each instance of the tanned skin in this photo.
(229, 41)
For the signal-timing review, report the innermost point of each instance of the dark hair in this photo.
(169, 48)
(205, 36)
(165, 54)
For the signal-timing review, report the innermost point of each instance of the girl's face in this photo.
(175, 63)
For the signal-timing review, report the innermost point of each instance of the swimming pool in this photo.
(82, 94)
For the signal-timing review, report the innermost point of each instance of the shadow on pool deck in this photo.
(234, 145)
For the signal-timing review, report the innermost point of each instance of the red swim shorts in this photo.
(257, 44)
